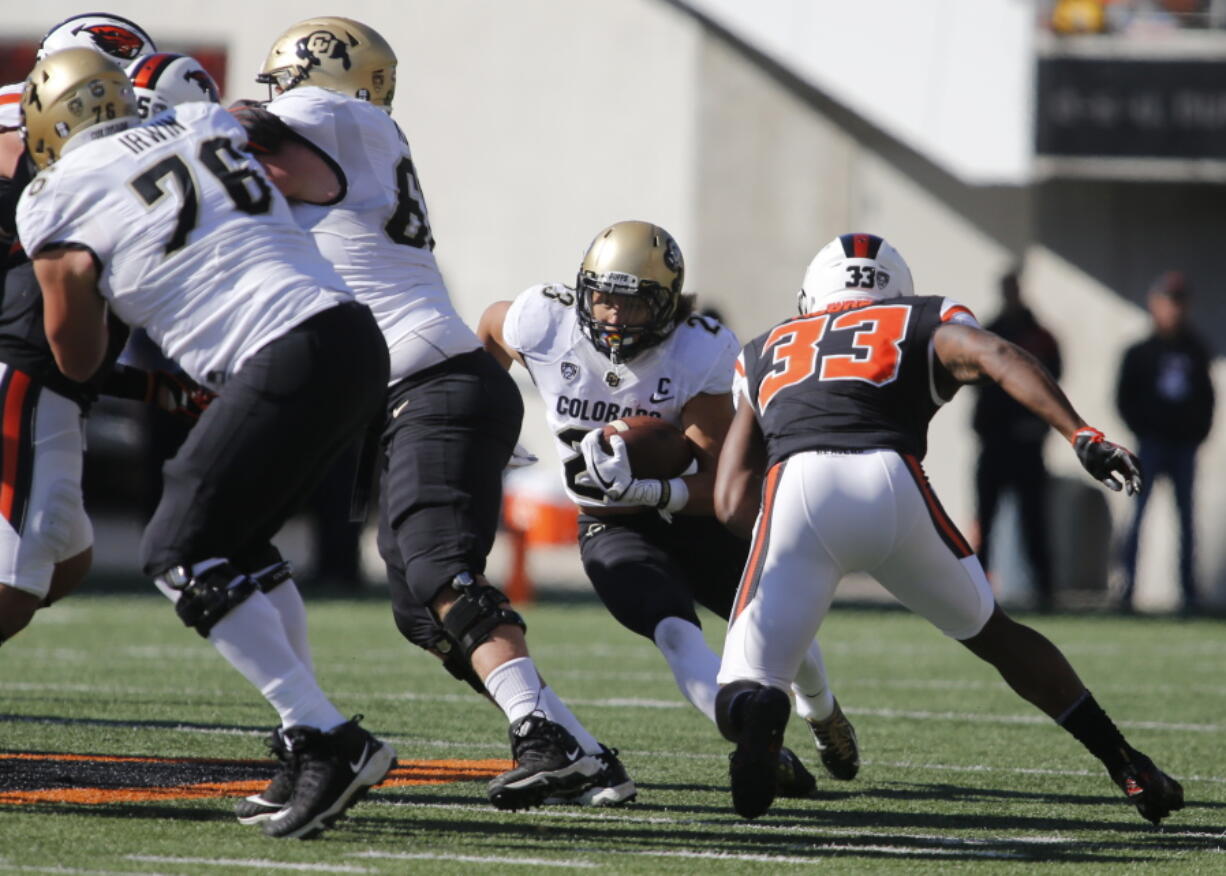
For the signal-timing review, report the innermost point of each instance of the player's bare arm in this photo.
(489, 330)
(705, 420)
(972, 354)
(738, 478)
(74, 314)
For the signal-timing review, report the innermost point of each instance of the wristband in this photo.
(674, 495)
(1094, 435)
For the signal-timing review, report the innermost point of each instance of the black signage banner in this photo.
(1133, 109)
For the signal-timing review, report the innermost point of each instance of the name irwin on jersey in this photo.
(598, 410)
(162, 128)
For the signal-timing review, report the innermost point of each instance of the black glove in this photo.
(265, 131)
(1105, 459)
(178, 394)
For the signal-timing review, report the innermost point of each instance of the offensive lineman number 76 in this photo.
(796, 353)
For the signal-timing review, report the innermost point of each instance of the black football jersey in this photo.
(23, 344)
(855, 376)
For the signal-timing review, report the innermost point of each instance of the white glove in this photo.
(521, 457)
(610, 473)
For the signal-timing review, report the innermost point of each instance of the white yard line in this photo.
(253, 864)
(502, 861)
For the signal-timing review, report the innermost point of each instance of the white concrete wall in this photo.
(952, 78)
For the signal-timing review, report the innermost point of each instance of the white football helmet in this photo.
(166, 79)
(111, 35)
(854, 266)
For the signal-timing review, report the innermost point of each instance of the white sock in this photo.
(252, 640)
(814, 701)
(287, 600)
(516, 687)
(558, 712)
(693, 663)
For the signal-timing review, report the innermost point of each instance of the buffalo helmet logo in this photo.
(116, 41)
(322, 45)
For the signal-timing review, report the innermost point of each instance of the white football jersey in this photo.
(377, 233)
(193, 243)
(582, 389)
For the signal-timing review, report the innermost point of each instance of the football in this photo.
(657, 448)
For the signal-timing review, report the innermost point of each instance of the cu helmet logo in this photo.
(118, 42)
(322, 45)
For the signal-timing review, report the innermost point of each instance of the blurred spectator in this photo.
(1078, 16)
(1165, 395)
(1011, 439)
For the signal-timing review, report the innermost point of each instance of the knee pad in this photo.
(479, 610)
(207, 597)
(725, 702)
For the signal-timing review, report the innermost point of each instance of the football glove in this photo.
(1105, 459)
(178, 394)
(609, 471)
(522, 457)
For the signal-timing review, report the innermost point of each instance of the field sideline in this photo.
(957, 772)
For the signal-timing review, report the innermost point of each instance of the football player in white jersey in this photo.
(624, 341)
(174, 228)
(45, 535)
(834, 412)
(453, 415)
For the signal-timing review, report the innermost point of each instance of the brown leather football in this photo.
(657, 448)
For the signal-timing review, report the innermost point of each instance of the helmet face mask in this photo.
(112, 35)
(167, 79)
(70, 97)
(338, 54)
(630, 261)
(854, 266)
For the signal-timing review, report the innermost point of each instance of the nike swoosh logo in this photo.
(574, 755)
(356, 765)
(400, 407)
(604, 485)
(663, 398)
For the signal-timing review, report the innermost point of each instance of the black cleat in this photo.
(1155, 794)
(548, 763)
(835, 739)
(794, 779)
(334, 770)
(612, 786)
(754, 766)
(264, 805)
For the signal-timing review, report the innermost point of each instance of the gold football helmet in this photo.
(72, 92)
(339, 54)
(639, 260)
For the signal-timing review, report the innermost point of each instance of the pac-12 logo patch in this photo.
(570, 372)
